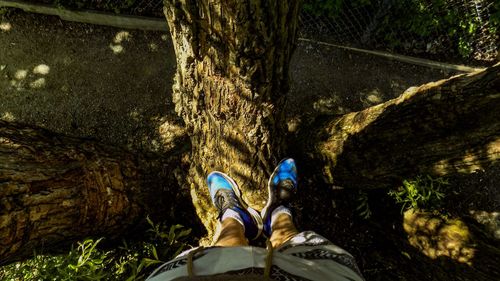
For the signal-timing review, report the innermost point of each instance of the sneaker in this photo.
(225, 195)
(281, 187)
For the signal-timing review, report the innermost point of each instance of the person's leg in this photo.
(277, 217)
(231, 234)
(237, 220)
(283, 229)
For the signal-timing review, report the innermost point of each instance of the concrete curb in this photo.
(407, 59)
(132, 22)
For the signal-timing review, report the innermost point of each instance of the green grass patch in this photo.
(423, 192)
(88, 261)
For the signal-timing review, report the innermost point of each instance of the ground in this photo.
(115, 86)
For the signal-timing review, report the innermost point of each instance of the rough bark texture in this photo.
(230, 86)
(57, 189)
(440, 128)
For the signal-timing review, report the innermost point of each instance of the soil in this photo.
(114, 85)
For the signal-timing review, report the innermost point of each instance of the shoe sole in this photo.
(255, 215)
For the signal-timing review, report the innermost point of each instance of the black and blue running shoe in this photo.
(281, 187)
(225, 195)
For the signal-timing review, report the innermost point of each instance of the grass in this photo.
(86, 260)
(423, 192)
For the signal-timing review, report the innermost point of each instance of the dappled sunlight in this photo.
(471, 162)
(5, 26)
(436, 236)
(371, 98)
(165, 37)
(117, 49)
(38, 83)
(135, 115)
(21, 74)
(493, 149)
(23, 77)
(329, 105)
(120, 37)
(41, 69)
(293, 124)
(153, 47)
(490, 220)
(8, 143)
(7, 116)
(169, 132)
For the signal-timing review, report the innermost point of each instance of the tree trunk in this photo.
(440, 128)
(230, 89)
(57, 189)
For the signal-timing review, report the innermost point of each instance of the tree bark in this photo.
(56, 189)
(440, 128)
(230, 89)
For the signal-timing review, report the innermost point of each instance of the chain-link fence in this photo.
(446, 29)
(449, 30)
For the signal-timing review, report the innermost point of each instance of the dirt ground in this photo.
(115, 86)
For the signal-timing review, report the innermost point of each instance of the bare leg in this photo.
(283, 229)
(231, 234)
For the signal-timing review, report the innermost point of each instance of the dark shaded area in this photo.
(380, 244)
(329, 81)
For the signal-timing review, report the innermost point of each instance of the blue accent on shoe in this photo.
(216, 181)
(286, 169)
(266, 227)
(225, 194)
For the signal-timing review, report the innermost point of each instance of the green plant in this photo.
(134, 260)
(85, 262)
(424, 192)
(4, 11)
(363, 207)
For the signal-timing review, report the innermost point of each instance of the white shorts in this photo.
(307, 256)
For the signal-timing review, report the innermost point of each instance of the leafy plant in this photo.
(363, 207)
(134, 260)
(420, 193)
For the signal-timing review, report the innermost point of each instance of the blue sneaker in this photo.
(281, 187)
(225, 195)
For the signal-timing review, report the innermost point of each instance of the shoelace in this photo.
(224, 199)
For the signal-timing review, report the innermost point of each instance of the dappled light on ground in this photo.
(169, 132)
(41, 69)
(5, 26)
(329, 105)
(153, 47)
(21, 74)
(494, 149)
(38, 83)
(490, 220)
(7, 116)
(120, 37)
(436, 236)
(472, 159)
(22, 77)
(371, 97)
